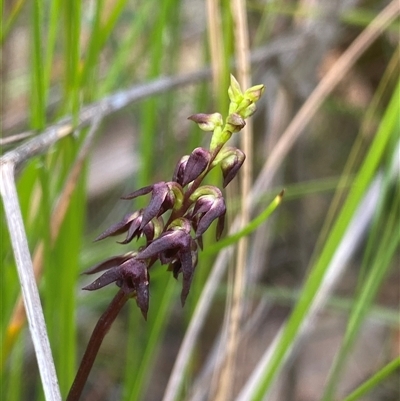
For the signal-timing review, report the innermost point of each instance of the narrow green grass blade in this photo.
(7, 26)
(99, 35)
(52, 35)
(15, 388)
(37, 101)
(119, 65)
(114, 15)
(361, 182)
(89, 76)
(72, 29)
(374, 381)
(287, 296)
(93, 47)
(9, 291)
(378, 266)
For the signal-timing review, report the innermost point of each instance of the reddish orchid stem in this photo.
(99, 332)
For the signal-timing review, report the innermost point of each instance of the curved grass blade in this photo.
(375, 380)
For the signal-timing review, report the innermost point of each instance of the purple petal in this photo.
(139, 192)
(117, 228)
(217, 210)
(160, 191)
(135, 276)
(197, 163)
(180, 170)
(148, 231)
(236, 122)
(133, 230)
(109, 263)
(220, 226)
(169, 240)
(142, 298)
(108, 277)
(187, 272)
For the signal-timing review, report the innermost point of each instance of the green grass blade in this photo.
(72, 30)
(15, 388)
(374, 381)
(385, 247)
(361, 182)
(38, 106)
(15, 12)
(120, 64)
(99, 36)
(52, 35)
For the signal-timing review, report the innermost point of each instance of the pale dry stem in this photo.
(18, 317)
(243, 73)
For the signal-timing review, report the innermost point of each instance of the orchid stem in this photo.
(99, 332)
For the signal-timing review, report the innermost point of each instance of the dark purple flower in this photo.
(175, 238)
(209, 205)
(161, 201)
(130, 274)
(165, 196)
(177, 248)
(132, 224)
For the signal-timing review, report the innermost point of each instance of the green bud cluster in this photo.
(242, 106)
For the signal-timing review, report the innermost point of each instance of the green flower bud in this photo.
(234, 92)
(242, 106)
(233, 106)
(254, 93)
(207, 122)
(249, 111)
